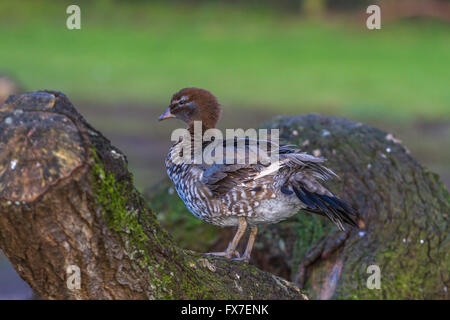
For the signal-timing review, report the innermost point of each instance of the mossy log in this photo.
(404, 205)
(67, 201)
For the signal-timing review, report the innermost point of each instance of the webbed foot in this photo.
(227, 254)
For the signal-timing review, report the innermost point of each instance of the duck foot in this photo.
(248, 250)
(244, 258)
(231, 250)
(227, 254)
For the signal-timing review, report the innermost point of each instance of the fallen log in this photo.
(405, 208)
(74, 226)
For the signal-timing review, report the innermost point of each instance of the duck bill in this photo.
(166, 115)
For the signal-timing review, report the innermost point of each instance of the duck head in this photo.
(194, 104)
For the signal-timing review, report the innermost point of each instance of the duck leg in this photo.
(231, 249)
(248, 250)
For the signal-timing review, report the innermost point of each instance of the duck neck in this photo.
(193, 142)
(198, 128)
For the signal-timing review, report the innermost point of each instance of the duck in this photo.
(245, 194)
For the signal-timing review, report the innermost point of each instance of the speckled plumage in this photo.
(235, 194)
(218, 194)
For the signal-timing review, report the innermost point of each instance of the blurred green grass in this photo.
(248, 57)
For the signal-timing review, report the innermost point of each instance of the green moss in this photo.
(406, 204)
(115, 201)
(120, 217)
(310, 228)
(171, 273)
(411, 268)
(113, 198)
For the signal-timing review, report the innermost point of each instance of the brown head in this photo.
(194, 104)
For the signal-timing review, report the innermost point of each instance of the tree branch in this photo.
(404, 206)
(67, 199)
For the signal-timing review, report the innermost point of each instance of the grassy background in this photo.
(249, 57)
(122, 67)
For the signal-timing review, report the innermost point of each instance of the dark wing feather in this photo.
(306, 183)
(300, 171)
(333, 208)
(222, 177)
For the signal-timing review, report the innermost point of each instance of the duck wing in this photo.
(237, 165)
(294, 172)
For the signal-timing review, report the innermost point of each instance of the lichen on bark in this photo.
(90, 215)
(404, 205)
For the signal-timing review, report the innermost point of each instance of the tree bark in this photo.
(404, 205)
(67, 201)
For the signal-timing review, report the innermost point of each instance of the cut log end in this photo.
(68, 203)
(37, 148)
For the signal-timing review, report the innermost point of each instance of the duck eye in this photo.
(181, 102)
